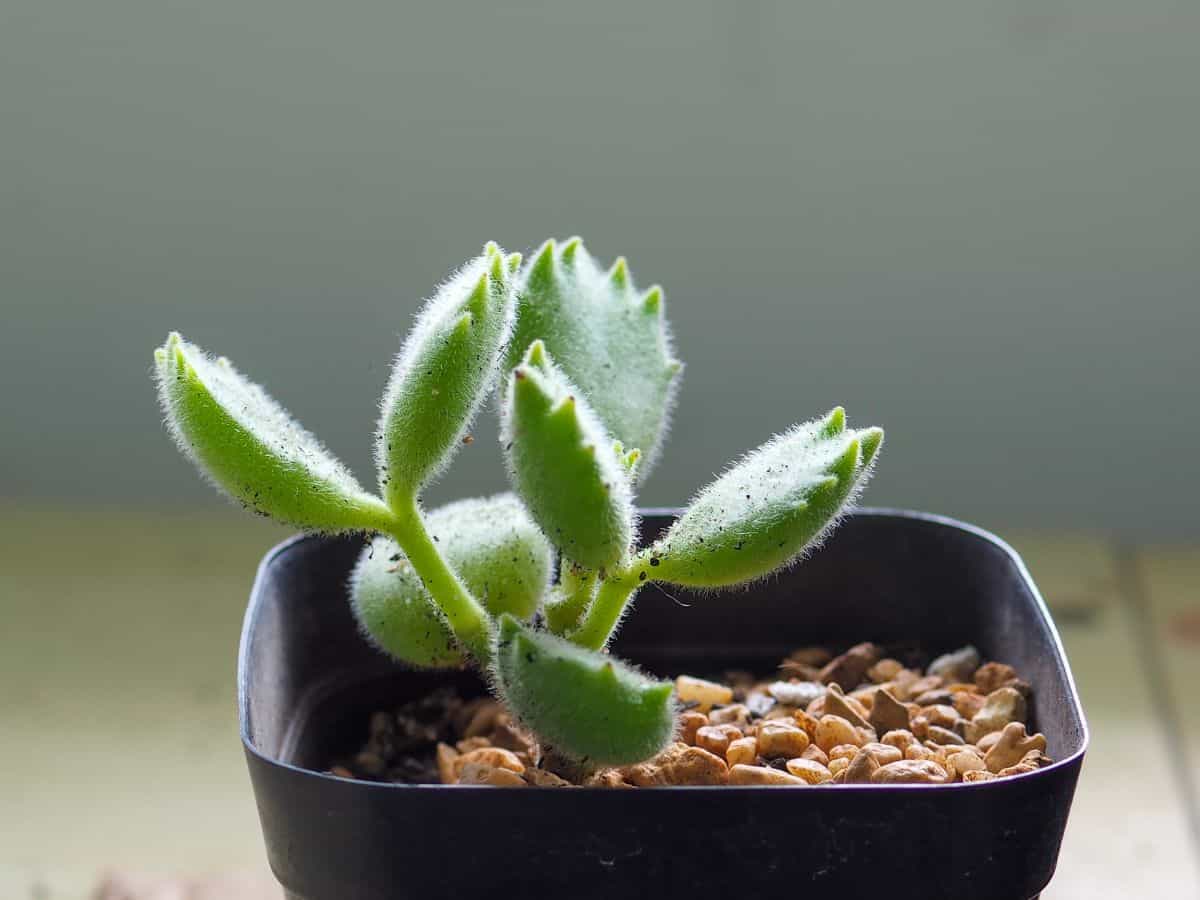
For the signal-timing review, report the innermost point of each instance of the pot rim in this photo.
(882, 512)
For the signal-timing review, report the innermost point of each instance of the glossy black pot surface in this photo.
(307, 683)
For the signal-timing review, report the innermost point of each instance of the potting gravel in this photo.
(858, 717)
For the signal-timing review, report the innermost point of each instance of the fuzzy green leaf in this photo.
(252, 449)
(444, 371)
(396, 613)
(493, 546)
(564, 465)
(587, 706)
(612, 342)
(766, 510)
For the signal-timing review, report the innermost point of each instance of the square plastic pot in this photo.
(307, 682)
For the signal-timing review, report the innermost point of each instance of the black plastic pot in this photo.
(307, 683)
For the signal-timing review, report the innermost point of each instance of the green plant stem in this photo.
(605, 612)
(468, 620)
(574, 591)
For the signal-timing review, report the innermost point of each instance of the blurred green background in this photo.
(975, 223)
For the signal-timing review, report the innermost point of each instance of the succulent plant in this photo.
(586, 374)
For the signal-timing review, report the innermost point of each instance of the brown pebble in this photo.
(810, 770)
(979, 775)
(968, 704)
(936, 696)
(994, 675)
(834, 730)
(543, 778)
(941, 715)
(940, 735)
(884, 670)
(838, 704)
(850, 669)
(815, 754)
(957, 666)
(717, 738)
(606, 778)
(735, 714)
(883, 753)
(481, 774)
(908, 771)
(811, 656)
(689, 723)
(763, 776)
(679, 764)
(888, 714)
(925, 683)
(861, 769)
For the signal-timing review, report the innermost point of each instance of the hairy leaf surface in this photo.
(564, 465)
(252, 449)
(767, 509)
(587, 706)
(445, 369)
(493, 546)
(611, 340)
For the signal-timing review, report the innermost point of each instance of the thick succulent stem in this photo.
(575, 589)
(606, 610)
(468, 620)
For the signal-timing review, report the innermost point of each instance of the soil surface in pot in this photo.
(868, 715)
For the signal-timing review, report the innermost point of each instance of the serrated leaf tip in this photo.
(566, 409)
(872, 439)
(847, 462)
(619, 273)
(535, 355)
(498, 269)
(570, 249)
(835, 422)
(477, 300)
(652, 300)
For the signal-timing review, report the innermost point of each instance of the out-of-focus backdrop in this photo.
(977, 224)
